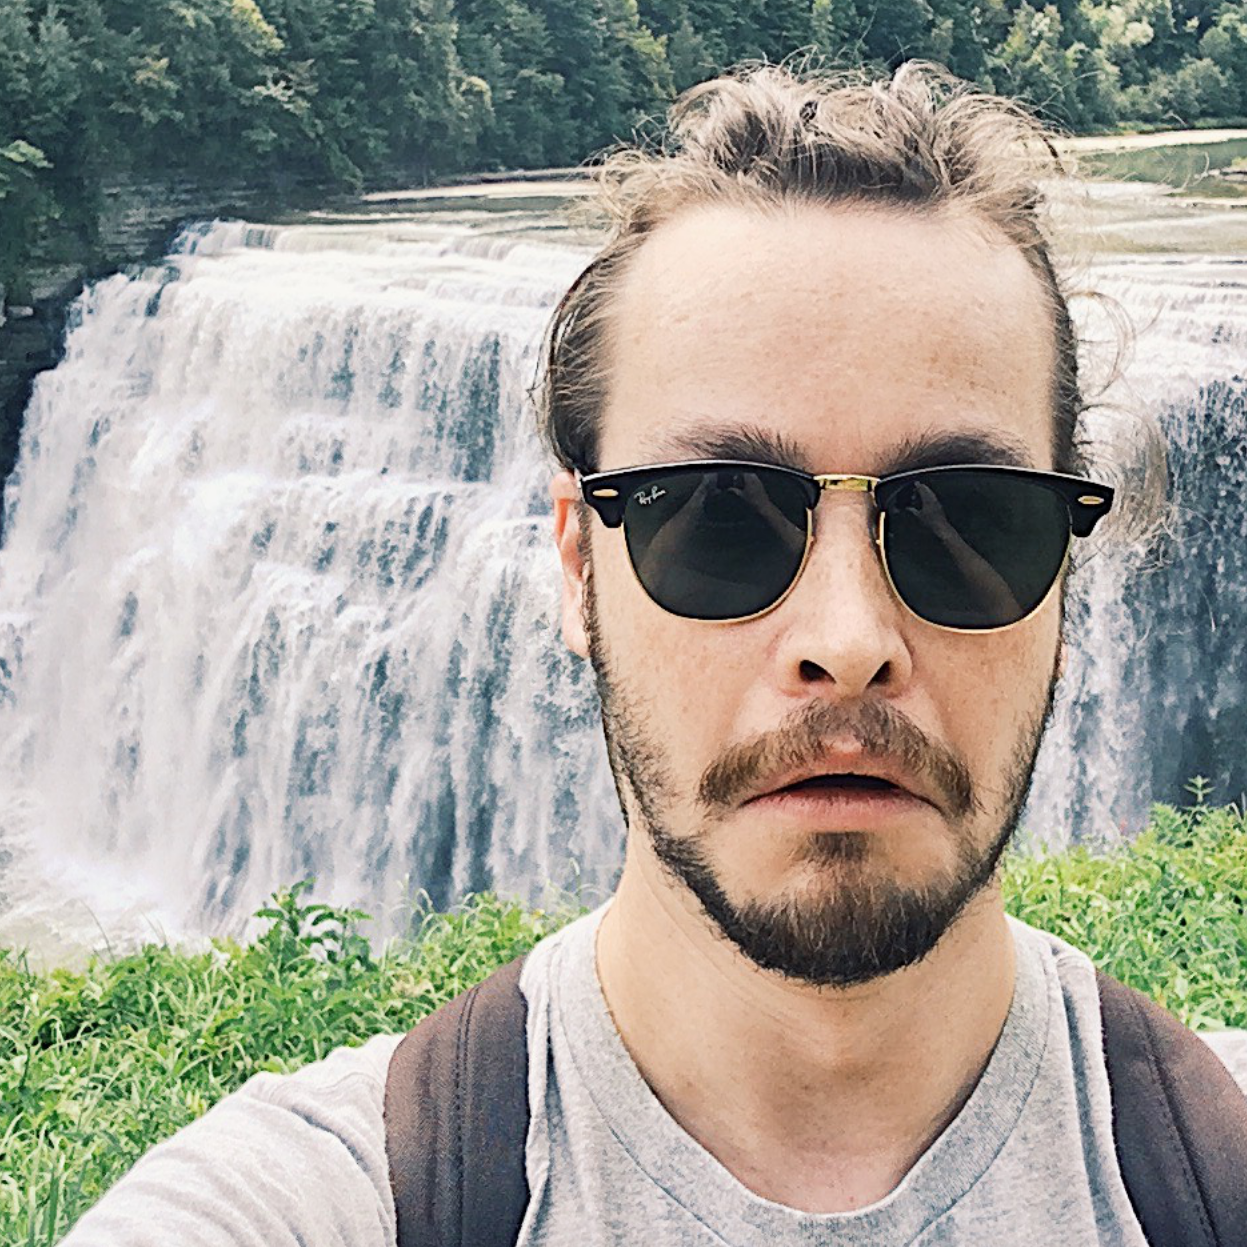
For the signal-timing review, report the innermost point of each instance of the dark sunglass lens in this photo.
(720, 543)
(974, 548)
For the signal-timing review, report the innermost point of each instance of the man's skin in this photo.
(849, 332)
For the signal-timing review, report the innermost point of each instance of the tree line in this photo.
(346, 92)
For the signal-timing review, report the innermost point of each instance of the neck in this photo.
(818, 1098)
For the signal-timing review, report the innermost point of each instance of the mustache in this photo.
(811, 732)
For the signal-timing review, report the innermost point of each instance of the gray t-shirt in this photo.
(300, 1159)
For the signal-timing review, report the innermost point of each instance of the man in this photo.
(815, 407)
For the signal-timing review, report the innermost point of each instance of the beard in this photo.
(855, 921)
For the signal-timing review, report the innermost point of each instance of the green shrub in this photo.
(1168, 915)
(97, 1067)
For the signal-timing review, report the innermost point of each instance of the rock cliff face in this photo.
(137, 222)
(30, 341)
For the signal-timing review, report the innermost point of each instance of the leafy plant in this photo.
(97, 1066)
(1168, 915)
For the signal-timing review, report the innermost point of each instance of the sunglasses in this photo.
(966, 547)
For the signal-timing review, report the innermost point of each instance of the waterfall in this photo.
(278, 595)
(278, 586)
(1156, 688)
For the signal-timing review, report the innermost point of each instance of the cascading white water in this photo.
(277, 594)
(1156, 685)
(278, 584)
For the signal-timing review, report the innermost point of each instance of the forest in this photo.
(348, 93)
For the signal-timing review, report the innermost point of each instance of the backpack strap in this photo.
(456, 1120)
(1179, 1122)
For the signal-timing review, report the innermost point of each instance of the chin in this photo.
(849, 915)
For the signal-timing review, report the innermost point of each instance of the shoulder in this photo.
(1231, 1047)
(568, 950)
(287, 1159)
(1076, 974)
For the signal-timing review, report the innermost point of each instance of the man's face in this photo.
(848, 339)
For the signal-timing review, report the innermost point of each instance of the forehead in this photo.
(846, 335)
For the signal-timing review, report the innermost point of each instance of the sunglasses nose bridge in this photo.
(838, 483)
(845, 484)
(827, 533)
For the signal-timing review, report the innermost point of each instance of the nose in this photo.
(843, 628)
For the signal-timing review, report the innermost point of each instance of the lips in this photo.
(859, 777)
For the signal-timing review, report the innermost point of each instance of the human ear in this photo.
(567, 538)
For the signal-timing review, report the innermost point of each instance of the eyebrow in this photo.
(923, 450)
(936, 449)
(748, 442)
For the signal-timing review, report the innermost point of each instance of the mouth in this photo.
(841, 783)
(841, 800)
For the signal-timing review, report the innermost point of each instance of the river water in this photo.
(277, 593)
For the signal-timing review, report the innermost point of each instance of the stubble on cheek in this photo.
(641, 772)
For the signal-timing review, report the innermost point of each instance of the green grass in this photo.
(1168, 915)
(96, 1067)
